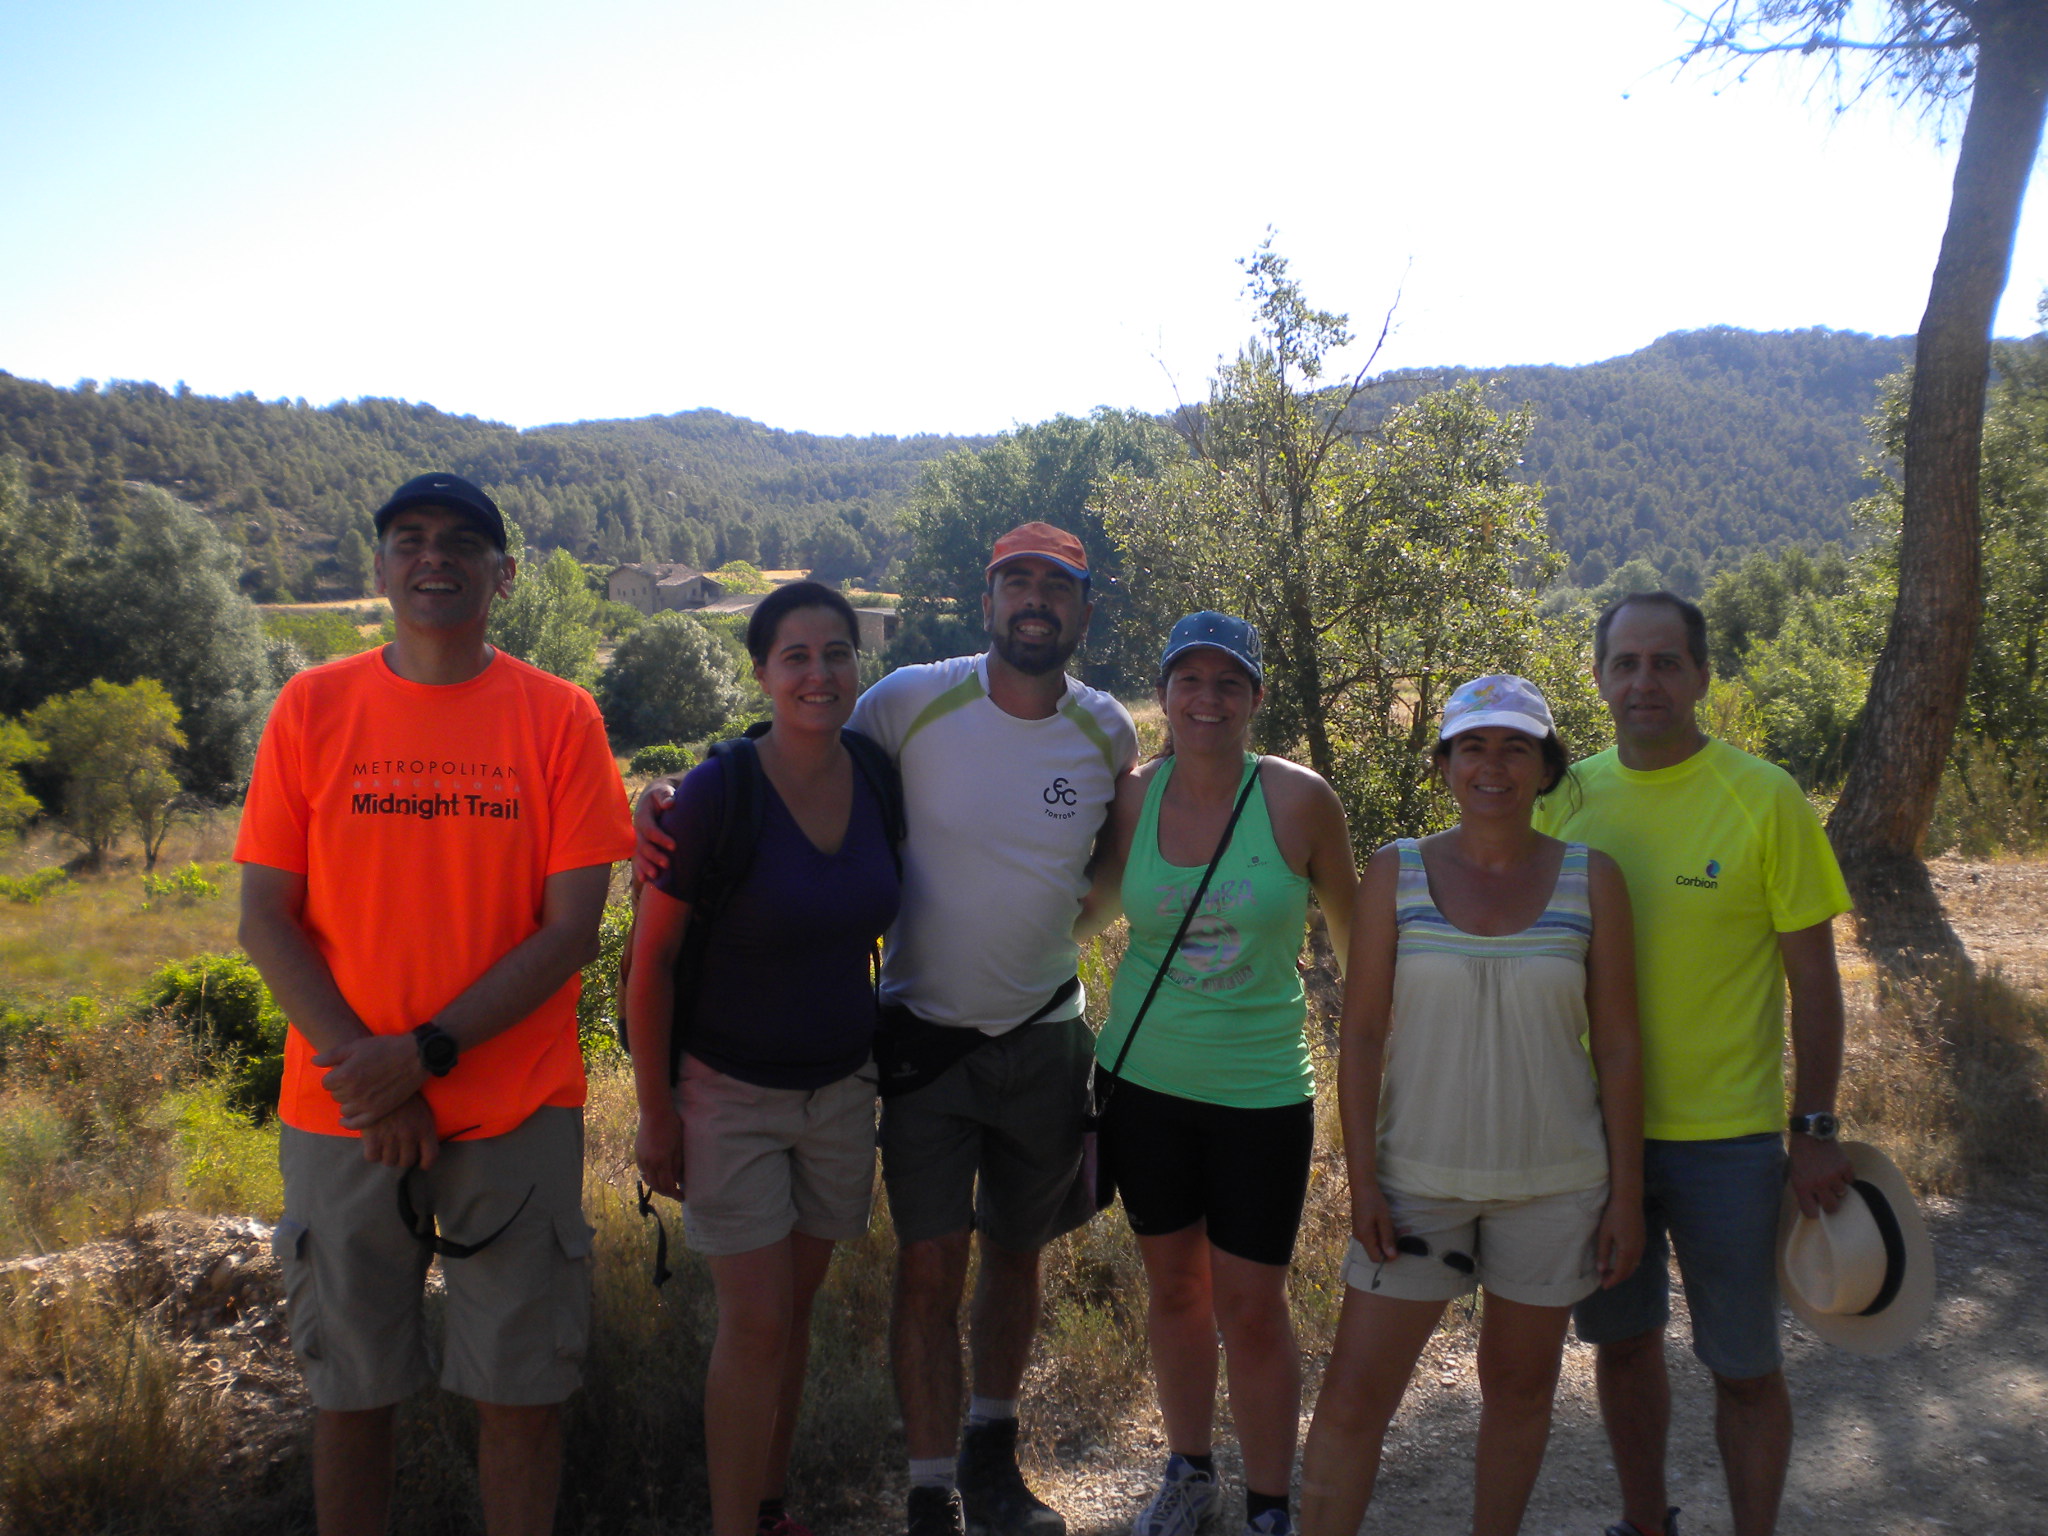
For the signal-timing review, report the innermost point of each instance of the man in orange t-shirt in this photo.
(426, 846)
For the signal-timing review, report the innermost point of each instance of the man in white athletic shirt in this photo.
(1009, 767)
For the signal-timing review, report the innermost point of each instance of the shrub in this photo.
(222, 1004)
(597, 1009)
(660, 759)
(1989, 804)
(32, 888)
(180, 888)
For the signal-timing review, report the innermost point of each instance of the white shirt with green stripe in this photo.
(1002, 816)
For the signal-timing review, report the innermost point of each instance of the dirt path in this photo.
(1949, 1435)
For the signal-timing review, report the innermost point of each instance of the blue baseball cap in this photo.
(445, 490)
(1219, 631)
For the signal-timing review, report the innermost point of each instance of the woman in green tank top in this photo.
(1208, 1120)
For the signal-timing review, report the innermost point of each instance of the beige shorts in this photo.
(760, 1163)
(518, 1314)
(1537, 1251)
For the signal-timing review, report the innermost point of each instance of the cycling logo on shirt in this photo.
(1060, 799)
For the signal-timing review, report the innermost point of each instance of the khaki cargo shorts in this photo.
(761, 1163)
(518, 1311)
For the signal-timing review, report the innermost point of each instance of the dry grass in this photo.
(93, 935)
(1951, 1078)
(105, 1425)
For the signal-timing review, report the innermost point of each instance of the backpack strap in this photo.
(742, 807)
(878, 770)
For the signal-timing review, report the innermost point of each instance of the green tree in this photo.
(670, 680)
(1382, 568)
(353, 555)
(1937, 52)
(838, 554)
(740, 576)
(154, 598)
(2005, 720)
(17, 806)
(111, 744)
(550, 619)
(1051, 472)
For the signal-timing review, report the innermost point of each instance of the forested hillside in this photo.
(294, 484)
(1699, 447)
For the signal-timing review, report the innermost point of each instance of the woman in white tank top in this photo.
(1485, 1145)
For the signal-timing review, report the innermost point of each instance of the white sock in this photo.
(990, 1410)
(931, 1472)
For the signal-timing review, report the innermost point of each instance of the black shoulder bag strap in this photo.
(1194, 905)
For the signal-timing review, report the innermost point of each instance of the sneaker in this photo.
(992, 1490)
(783, 1527)
(1274, 1522)
(1630, 1528)
(1185, 1500)
(935, 1512)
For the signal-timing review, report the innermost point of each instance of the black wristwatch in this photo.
(1821, 1127)
(438, 1049)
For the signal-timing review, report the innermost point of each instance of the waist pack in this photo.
(911, 1052)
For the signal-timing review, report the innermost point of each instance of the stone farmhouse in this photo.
(659, 588)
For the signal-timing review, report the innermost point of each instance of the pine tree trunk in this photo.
(1918, 687)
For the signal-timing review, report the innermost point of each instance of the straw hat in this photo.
(1862, 1276)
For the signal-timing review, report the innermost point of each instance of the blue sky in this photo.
(898, 216)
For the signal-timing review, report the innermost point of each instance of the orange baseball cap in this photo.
(1047, 543)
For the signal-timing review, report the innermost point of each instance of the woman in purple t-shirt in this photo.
(770, 1121)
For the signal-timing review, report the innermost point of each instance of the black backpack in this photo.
(731, 857)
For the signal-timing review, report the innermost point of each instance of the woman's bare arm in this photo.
(1617, 1051)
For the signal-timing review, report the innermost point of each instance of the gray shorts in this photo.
(994, 1142)
(1715, 1205)
(760, 1163)
(518, 1316)
(1538, 1251)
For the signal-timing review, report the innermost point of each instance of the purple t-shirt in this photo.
(785, 999)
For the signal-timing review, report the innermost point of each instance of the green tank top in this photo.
(1226, 1025)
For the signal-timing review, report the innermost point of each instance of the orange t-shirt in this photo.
(426, 820)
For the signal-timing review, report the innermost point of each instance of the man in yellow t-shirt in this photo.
(1735, 890)
(425, 849)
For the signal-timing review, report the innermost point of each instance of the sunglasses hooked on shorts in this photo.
(423, 1229)
(1419, 1248)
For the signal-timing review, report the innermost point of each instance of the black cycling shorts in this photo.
(1179, 1161)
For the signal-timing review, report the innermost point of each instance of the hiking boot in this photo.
(992, 1490)
(1274, 1522)
(1630, 1528)
(1186, 1498)
(785, 1526)
(935, 1512)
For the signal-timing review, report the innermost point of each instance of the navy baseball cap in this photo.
(445, 490)
(1234, 637)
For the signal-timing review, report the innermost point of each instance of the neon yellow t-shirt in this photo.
(1722, 854)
